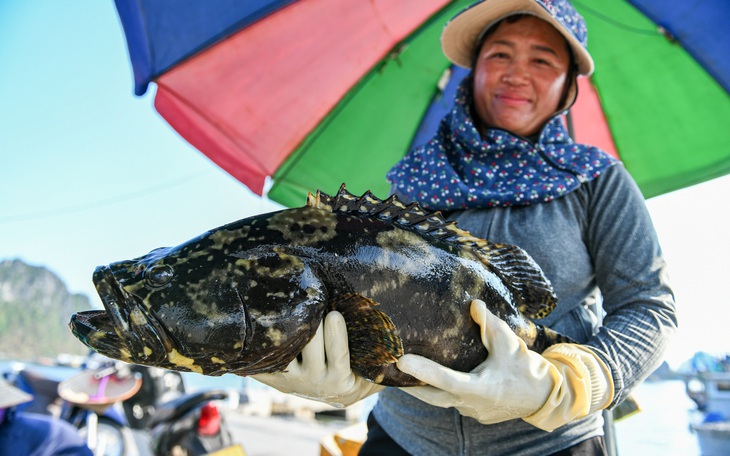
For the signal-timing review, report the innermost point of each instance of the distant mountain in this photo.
(35, 307)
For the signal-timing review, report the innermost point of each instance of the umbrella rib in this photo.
(612, 21)
(310, 139)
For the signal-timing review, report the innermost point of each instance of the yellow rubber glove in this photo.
(566, 382)
(324, 372)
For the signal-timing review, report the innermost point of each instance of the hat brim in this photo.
(459, 37)
(11, 396)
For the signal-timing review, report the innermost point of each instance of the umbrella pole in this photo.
(609, 430)
(609, 433)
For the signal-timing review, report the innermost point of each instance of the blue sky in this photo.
(90, 174)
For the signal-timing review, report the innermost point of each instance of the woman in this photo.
(503, 165)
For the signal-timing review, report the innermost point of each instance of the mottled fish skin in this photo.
(246, 297)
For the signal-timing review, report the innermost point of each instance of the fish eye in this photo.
(159, 275)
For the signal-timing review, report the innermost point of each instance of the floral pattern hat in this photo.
(462, 34)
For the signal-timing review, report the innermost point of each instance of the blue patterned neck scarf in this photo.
(460, 169)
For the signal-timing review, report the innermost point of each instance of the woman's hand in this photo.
(324, 372)
(566, 382)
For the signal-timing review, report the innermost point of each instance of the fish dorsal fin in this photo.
(393, 210)
(532, 291)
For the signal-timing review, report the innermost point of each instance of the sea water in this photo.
(662, 427)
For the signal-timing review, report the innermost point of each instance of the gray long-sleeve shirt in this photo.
(598, 247)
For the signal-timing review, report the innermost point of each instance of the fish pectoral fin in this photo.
(372, 337)
(533, 293)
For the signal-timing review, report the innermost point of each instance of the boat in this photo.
(708, 385)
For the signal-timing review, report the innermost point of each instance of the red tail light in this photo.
(209, 422)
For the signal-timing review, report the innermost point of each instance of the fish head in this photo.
(206, 307)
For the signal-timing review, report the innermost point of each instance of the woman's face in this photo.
(519, 76)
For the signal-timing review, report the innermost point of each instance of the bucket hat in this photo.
(462, 34)
(11, 396)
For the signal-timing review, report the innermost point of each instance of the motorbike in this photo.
(118, 406)
(179, 423)
(89, 398)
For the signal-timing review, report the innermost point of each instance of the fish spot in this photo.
(312, 292)
(406, 252)
(137, 318)
(386, 286)
(227, 236)
(96, 338)
(215, 360)
(183, 361)
(305, 226)
(274, 264)
(275, 336)
(125, 355)
(265, 319)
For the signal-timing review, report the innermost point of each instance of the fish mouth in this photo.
(124, 330)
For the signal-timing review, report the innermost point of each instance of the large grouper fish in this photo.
(245, 298)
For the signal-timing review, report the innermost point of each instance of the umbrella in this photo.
(662, 81)
(314, 93)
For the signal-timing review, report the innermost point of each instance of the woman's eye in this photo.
(158, 276)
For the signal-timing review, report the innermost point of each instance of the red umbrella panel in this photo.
(251, 99)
